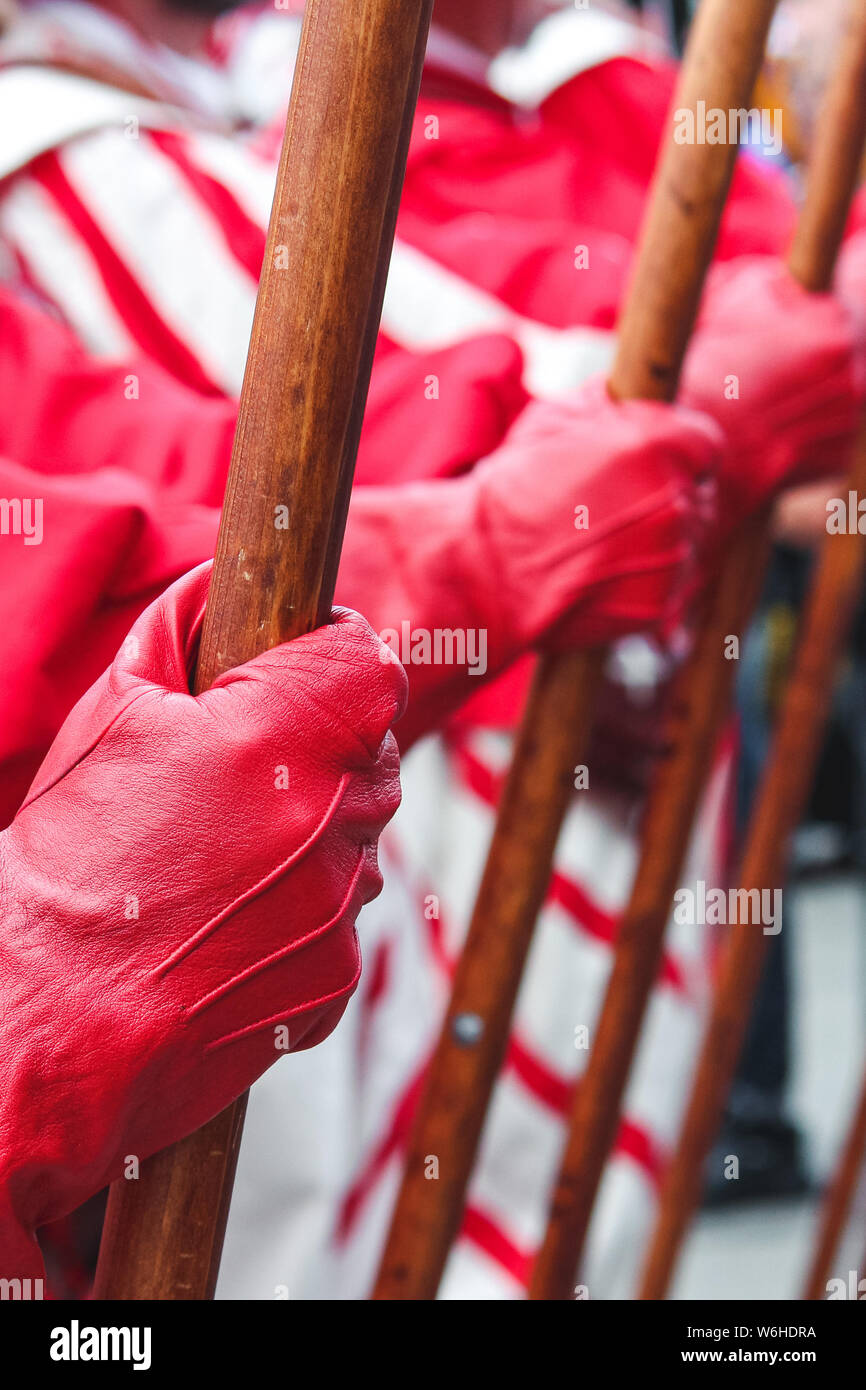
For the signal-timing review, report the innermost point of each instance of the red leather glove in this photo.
(798, 360)
(478, 393)
(181, 882)
(496, 556)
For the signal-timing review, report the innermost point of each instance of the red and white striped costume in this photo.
(140, 217)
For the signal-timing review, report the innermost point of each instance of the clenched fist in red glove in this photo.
(178, 894)
(582, 526)
(783, 371)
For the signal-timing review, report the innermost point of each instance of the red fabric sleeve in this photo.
(65, 412)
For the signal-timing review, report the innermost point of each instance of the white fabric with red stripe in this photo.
(169, 269)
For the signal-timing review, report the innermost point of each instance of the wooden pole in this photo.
(781, 801)
(676, 246)
(788, 775)
(837, 1203)
(311, 351)
(700, 703)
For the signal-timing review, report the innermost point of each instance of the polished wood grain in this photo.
(301, 408)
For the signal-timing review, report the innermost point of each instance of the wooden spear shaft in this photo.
(676, 246)
(789, 772)
(305, 386)
(782, 799)
(837, 1203)
(700, 703)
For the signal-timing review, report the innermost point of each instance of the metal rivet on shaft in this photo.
(467, 1029)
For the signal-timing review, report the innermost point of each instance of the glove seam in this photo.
(91, 748)
(250, 894)
(252, 970)
(274, 1019)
